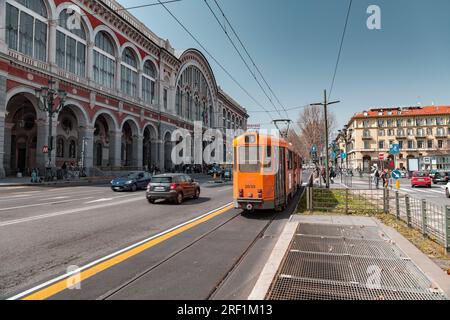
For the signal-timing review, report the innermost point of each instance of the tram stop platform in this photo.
(347, 258)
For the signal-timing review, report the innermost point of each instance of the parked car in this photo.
(215, 169)
(131, 182)
(172, 187)
(420, 179)
(227, 174)
(404, 174)
(433, 173)
(447, 190)
(441, 177)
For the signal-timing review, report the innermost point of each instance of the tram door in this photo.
(280, 179)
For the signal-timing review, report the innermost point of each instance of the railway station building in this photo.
(127, 89)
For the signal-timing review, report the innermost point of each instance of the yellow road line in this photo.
(86, 274)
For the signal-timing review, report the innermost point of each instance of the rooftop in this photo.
(404, 112)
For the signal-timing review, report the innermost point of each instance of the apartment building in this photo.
(421, 132)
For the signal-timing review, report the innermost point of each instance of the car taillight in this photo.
(241, 193)
(173, 186)
(260, 193)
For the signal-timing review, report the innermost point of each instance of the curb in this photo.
(57, 184)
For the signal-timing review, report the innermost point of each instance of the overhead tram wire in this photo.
(240, 55)
(340, 50)
(100, 13)
(215, 60)
(249, 56)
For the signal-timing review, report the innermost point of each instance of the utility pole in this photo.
(325, 105)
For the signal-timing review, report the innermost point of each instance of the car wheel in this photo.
(197, 194)
(133, 187)
(180, 198)
(152, 201)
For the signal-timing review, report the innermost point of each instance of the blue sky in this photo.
(295, 44)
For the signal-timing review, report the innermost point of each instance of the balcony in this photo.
(441, 134)
(401, 136)
(367, 137)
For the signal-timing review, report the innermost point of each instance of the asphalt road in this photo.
(45, 232)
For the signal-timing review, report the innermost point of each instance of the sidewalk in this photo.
(26, 181)
(347, 258)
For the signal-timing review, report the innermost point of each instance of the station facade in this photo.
(127, 89)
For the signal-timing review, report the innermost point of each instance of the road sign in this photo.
(395, 149)
(396, 175)
(45, 149)
(314, 149)
(344, 156)
(381, 156)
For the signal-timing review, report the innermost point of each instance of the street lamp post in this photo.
(47, 97)
(346, 134)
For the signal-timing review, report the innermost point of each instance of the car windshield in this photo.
(131, 176)
(162, 180)
(421, 174)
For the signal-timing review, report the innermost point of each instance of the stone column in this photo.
(3, 147)
(161, 156)
(6, 146)
(118, 74)
(115, 149)
(88, 140)
(51, 45)
(90, 61)
(42, 140)
(138, 154)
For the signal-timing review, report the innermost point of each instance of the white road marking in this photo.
(42, 204)
(71, 211)
(55, 198)
(99, 200)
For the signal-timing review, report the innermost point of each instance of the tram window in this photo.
(268, 159)
(290, 160)
(249, 159)
(250, 139)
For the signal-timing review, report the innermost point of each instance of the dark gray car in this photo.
(172, 187)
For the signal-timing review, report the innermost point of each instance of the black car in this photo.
(441, 177)
(131, 182)
(172, 187)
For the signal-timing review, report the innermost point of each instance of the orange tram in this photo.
(267, 172)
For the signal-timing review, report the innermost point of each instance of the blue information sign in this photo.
(395, 149)
(396, 175)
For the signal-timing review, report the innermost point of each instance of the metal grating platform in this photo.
(338, 262)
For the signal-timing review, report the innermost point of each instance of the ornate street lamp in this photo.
(47, 102)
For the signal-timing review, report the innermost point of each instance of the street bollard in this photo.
(346, 201)
(424, 217)
(311, 199)
(408, 211)
(447, 230)
(308, 204)
(387, 201)
(397, 205)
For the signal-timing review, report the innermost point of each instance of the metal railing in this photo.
(433, 220)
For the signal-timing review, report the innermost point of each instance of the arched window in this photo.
(196, 110)
(224, 118)
(60, 148)
(178, 101)
(129, 73)
(211, 117)
(104, 60)
(26, 27)
(70, 46)
(72, 149)
(148, 82)
(189, 106)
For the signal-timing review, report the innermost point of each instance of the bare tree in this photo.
(311, 124)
